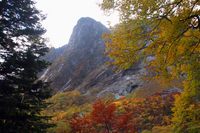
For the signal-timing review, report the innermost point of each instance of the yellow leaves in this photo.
(162, 129)
(122, 45)
(59, 116)
(63, 107)
(117, 103)
(107, 4)
(174, 41)
(187, 105)
(181, 49)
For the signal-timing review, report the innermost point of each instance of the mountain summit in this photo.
(87, 32)
(83, 53)
(80, 65)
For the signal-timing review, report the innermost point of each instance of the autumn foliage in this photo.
(166, 34)
(131, 115)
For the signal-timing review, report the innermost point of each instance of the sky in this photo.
(62, 16)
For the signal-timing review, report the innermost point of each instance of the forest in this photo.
(164, 34)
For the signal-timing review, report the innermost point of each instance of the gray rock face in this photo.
(54, 53)
(81, 64)
(84, 52)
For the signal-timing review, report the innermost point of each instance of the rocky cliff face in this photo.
(74, 61)
(81, 64)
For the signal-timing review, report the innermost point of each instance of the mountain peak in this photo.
(86, 19)
(81, 65)
(86, 29)
(83, 54)
(89, 23)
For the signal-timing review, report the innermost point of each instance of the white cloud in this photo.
(62, 16)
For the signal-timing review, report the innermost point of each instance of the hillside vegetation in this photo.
(165, 34)
(75, 113)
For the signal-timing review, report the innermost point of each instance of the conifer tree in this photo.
(22, 95)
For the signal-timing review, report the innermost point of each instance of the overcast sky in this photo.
(62, 16)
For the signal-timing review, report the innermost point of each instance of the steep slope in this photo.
(54, 53)
(80, 65)
(104, 81)
(82, 55)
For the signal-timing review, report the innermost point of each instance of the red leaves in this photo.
(103, 113)
(152, 111)
(101, 119)
(133, 115)
(82, 124)
(123, 123)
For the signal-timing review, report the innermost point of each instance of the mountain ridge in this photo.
(81, 64)
(83, 53)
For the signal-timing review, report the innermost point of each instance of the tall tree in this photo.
(22, 95)
(168, 31)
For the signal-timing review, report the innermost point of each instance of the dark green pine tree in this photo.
(22, 95)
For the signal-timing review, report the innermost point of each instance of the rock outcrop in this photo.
(81, 64)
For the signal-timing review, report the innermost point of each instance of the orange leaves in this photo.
(124, 123)
(101, 119)
(151, 111)
(82, 124)
(133, 115)
(173, 39)
(103, 113)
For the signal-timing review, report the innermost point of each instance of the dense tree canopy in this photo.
(167, 34)
(21, 47)
(129, 115)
